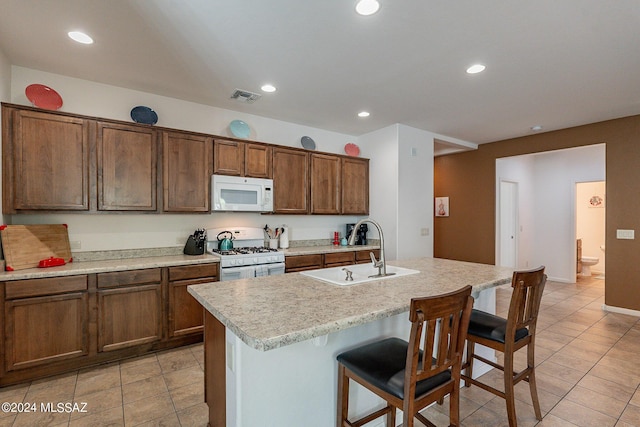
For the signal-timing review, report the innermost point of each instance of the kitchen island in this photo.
(271, 342)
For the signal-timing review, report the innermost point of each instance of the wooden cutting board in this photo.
(25, 246)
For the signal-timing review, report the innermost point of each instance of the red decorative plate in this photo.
(352, 149)
(43, 97)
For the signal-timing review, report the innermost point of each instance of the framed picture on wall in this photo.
(442, 206)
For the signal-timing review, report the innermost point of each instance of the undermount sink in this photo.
(360, 274)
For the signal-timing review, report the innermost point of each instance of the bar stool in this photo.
(404, 375)
(508, 336)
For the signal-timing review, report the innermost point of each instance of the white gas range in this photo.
(249, 257)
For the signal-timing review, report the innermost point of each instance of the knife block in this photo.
(191, 248)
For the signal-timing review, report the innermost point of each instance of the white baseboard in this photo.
(620, 310)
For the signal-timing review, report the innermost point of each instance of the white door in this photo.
(508, 224)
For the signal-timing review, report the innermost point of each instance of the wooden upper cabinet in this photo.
(290, 181)
(186, 172)
(228, 157)
(127, 157)
(50, 162)
(325, 184)
(355, 186)
(257, 161)
(242, 159)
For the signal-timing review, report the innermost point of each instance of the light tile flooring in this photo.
(588, 373)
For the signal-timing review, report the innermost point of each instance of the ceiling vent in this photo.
(245, 96)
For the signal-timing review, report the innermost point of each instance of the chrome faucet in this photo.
(379, 264)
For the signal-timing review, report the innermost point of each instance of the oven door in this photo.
(270, 269)
(234, 273)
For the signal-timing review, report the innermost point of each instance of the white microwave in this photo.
(240, 194)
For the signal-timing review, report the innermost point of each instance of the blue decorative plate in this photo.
(239, 129)
(308, 143)
(145, 115)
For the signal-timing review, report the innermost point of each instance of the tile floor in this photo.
(587, 369)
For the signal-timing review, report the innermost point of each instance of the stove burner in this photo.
(245, 251)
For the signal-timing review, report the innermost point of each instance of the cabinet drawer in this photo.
(193, 272)
(40, 287)
(340, 258)
(131, 277)
(364, 257)
(303, 262)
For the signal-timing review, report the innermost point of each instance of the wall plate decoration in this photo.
(352, 149)
(239, 129)
(308, 143)
(144, 115)
(43, 96)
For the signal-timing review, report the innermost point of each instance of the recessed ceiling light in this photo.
(476, 68)
(268, 88)
(80, 37)
(536, 128)
(367, 7)
(363, 114)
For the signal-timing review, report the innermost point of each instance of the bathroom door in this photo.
(508, 224)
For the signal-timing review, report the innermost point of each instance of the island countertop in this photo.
(274, 311)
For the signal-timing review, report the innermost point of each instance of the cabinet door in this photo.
(50, 162)
(290, 181)
(355, 186)
(325, 184)
(129, 316)
(46, 329)
(186, 315)
(257, 161)
(186, 172)
(228, 157)
(339, 258)
(127, 158)
(364, 257)
(302, 262)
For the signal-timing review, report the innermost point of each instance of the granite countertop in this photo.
(88, 267)
(275, 311)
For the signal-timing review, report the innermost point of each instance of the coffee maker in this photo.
(361, 233)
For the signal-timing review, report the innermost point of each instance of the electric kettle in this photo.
(225, 243)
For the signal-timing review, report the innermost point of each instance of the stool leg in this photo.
(454, 407)
(532, 381)
(343, 396)
(509, 389)
(469, 362)
(391, 417)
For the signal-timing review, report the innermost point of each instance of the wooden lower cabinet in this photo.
(60, 324)
(129, 316)
(45, 321)
(295, 263)
(303, 262)
(337, 259)
(363, 257)
(186, 315)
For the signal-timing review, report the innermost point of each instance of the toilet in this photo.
(587, 262)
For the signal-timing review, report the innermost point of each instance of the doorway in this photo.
(508, 220)
(590, 223)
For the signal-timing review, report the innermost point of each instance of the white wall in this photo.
(415, 192)
(547, 204)
(401, 188)
(129, 231)
(5, 96)
(518, 169)
(590, 221)
(381, 147)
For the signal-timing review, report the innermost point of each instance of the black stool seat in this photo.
(383, 363)
(491, 327)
